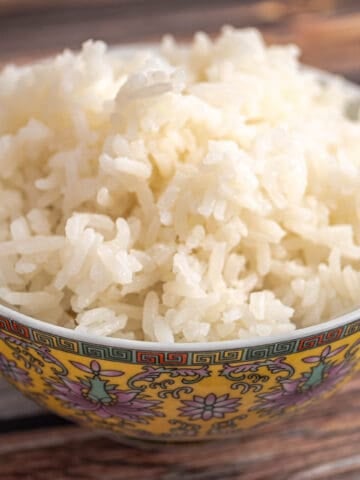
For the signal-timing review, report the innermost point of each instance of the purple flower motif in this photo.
(12, 372)
(93, 394)
(209, 407)
(320, 379)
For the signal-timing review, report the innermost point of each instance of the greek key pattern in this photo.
(171, 358)
(217, 357)
(53, 341)
(352, 328)
(104, 352)
(14, 327)
(162, 358)
(321, 339)
(271, 350)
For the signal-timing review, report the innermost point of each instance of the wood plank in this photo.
(334, 27)
(320, 444)
(7, 6)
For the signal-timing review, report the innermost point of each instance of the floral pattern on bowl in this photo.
(175, 395)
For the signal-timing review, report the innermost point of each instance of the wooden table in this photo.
(323, 443)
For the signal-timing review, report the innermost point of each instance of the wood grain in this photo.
(321, 444)
(328, 31)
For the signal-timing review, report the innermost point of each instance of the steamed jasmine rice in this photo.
(179, 194)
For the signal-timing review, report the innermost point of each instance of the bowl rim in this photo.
(339, 321)
(139, 345)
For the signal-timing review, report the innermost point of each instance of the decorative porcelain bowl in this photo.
(179, 392)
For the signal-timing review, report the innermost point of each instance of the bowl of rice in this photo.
(179, 234)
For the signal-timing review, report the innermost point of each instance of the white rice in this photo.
(180, 194)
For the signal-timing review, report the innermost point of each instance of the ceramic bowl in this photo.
(176, 392)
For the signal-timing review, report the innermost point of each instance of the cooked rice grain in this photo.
(179, 194)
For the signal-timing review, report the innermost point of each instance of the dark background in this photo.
(327, 30)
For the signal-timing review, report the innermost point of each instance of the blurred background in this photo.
(328, 31)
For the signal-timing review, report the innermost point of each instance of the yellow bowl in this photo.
(176, 392)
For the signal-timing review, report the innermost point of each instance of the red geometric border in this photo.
(320, 339)
(160, 358)
(14, 327)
